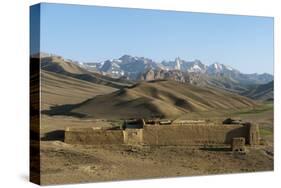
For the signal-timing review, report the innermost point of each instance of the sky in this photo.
(94, 34)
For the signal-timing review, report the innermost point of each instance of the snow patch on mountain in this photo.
(195, 68)
(132, 67)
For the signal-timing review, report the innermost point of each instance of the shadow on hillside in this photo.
(64, 110)
(54, 135)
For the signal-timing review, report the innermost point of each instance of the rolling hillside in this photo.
(216, 76)
(58, 65)
(155, 98)
(195, 78)
(261, 92)
(58, 89)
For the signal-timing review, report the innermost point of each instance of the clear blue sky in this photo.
(90, 33)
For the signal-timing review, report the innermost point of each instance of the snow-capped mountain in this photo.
(185, 66)
(194, 66)
(128, 66)
(129, 69)
(113, 68)
(220, 68)
(92, 66)
(133, 68)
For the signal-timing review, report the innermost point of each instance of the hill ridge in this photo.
(163, 98)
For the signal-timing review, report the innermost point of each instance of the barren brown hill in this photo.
(58, 65)
(58, 89)
(157, 98)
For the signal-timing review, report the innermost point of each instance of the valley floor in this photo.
(63, 163)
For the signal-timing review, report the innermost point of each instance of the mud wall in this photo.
(165, 135)
(254, 134)
(193, 134)
(133, 136)
(90, 136)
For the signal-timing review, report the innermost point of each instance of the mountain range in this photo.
(68, 88)
(127, 70)
(195, 72)
(133, 67)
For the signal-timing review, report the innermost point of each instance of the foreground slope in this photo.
(58, 89)
(157, 98)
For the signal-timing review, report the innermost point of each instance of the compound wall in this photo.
(195, 134)
(133, 136)
(165, 135)
(89, 136)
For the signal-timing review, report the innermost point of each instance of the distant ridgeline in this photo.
(128, 69)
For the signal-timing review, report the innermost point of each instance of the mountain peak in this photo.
(220, 68)
(132, 67)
